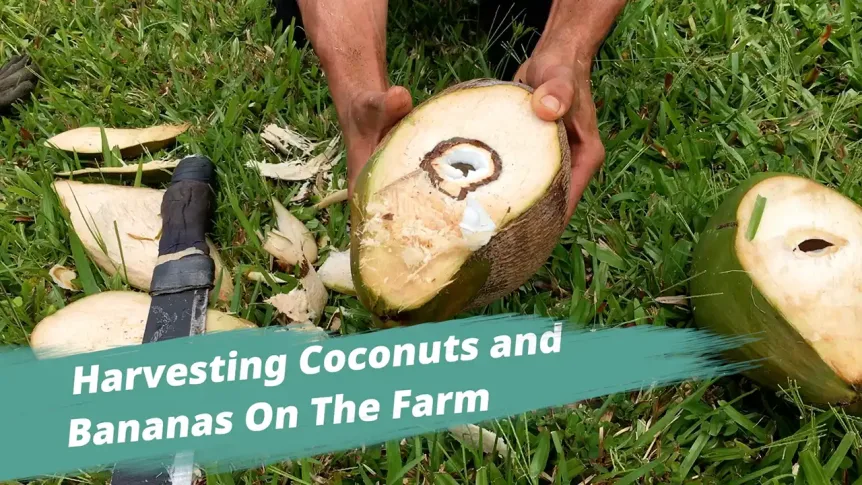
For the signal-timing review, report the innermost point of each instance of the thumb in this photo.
(397, 103)
(555, 95)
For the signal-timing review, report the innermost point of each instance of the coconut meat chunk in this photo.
(806, 259)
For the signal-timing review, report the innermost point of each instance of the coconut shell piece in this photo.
(295, 231)
(304, 303)
(335, 273)
(333, 198)
(130, 141)
(64, 277)
(118, 225)
(108, 320)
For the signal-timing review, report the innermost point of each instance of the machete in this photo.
(182, 279)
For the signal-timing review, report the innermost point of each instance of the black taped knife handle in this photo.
(184, 258)
(186, 207)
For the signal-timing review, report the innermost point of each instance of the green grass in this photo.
(694, 96)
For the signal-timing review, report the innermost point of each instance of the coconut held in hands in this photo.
(461, 204)
(796, 285)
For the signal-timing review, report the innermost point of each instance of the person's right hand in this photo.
(366, 120)
(18, 78)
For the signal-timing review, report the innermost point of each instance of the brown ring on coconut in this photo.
(458, 160)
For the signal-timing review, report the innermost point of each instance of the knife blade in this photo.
(182, 279)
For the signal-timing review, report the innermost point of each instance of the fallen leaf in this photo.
(335, 273)
(130, 141)
(105, 217)
(333, 198)
(64, 277)
(469, 435)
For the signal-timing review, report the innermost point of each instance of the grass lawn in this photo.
(694, 96)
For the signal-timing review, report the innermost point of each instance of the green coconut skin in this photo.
(465, 292)
(727, 302)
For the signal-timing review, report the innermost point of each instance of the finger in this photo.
(588, 151)
(586, 161)
(16, 78)
(397, 103)
(13, 64)
(20, 91)
(555, 93)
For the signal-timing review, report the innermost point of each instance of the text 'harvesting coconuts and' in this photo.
(272, 371)
(249, 397)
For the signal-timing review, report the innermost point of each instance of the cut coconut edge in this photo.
(425, 220)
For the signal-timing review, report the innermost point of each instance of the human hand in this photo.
(18, 78)
(562, 90)
(367, 118)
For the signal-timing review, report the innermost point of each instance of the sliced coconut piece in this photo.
(475, 437)
(64, 277)
(130, 141)
(788, 272)
(304, 303)
(333, 198)
(293, 229)
(298, 169)
(335, 273)
(460, 204)
(156, 169)
(108, 320)
(282, 138)
(285, 250)
(102, 214)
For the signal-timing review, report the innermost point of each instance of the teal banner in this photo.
(246, 398)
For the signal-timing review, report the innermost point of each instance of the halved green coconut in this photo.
(796, 285)
(459, 205)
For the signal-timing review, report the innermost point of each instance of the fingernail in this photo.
(551, 103)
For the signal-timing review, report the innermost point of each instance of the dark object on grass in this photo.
(180, 289)
(18, 79)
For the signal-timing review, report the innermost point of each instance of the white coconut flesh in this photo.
(449, 178)
(108, 320)
(806, 259)
(131, 247)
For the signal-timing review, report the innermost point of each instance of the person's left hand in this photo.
(562, 90)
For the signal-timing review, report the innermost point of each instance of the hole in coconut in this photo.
(814, 245)
(460, 165)
(464, 167)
